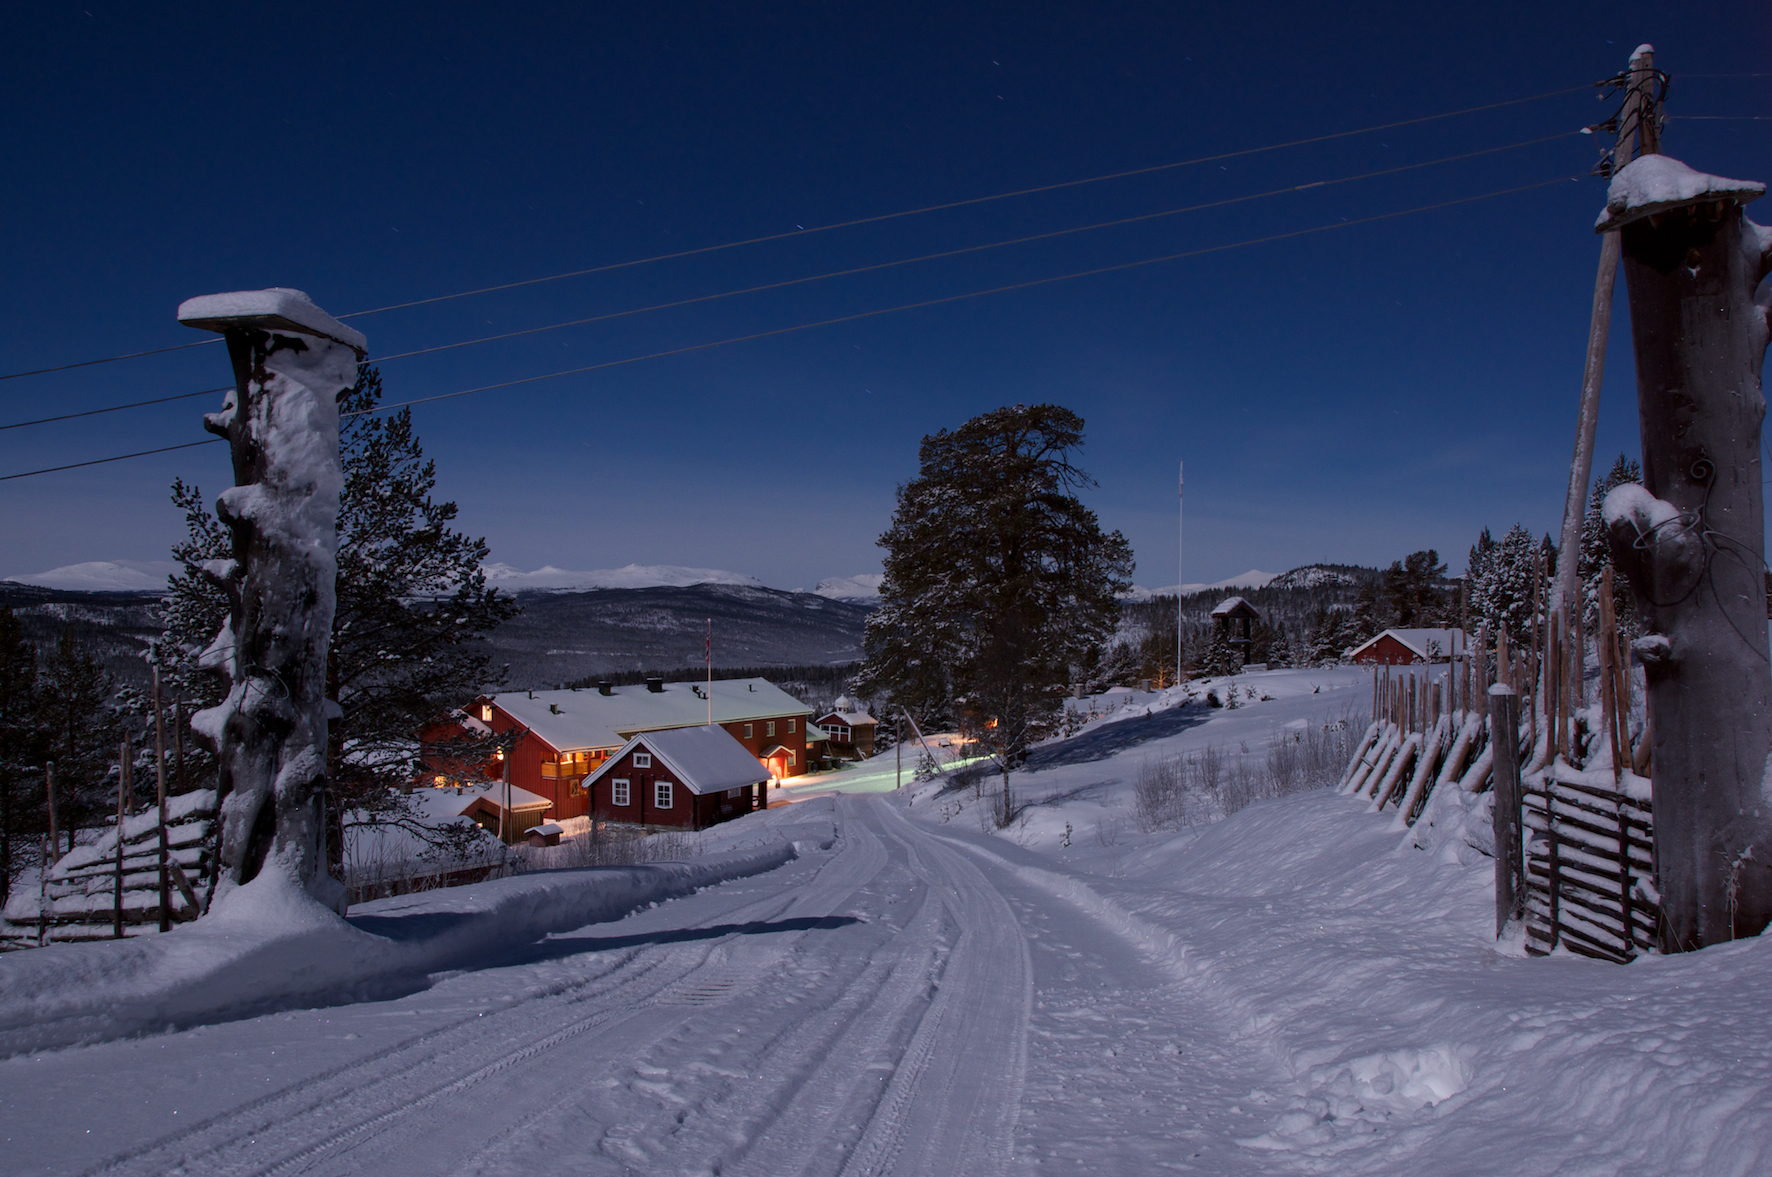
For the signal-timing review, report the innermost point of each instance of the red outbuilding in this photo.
(689, 777)
(1409, 647)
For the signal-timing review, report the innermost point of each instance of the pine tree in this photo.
(1411, 586)
(1279, 652)
(79, 730)
(1596, 554)
(999, 580)
(20, 745)
(1370, 616)
(413, 605)
(1501, 581)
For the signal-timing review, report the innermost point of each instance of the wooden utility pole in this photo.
(49, 790)
(1692, 546)
(1637, 133)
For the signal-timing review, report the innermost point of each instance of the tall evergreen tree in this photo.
(1411, 587)
(999, 581)
(80, 732)
(413, 605)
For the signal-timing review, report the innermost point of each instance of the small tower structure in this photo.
(1238, 617)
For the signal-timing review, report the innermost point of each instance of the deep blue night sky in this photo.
(1349, 395)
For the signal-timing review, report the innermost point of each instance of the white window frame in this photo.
(791, 726)
(747, 730)
(769, 728)
(663, 793)
(642, 760)
(619, 793)
(791, 760)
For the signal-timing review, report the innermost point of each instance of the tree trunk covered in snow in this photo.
(270, 731)
(1691, 542)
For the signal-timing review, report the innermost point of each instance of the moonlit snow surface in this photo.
(1289, 990)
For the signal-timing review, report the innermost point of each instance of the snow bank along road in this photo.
(1287, 991)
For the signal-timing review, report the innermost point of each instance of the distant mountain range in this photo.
(1254, 578)
(561, 637)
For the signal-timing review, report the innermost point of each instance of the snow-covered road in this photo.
(1290, 990)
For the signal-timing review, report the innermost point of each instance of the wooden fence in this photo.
(1590, 864)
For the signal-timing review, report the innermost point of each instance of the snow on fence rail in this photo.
(1590, 863)
(82, 890)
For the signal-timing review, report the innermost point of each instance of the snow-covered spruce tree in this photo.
(1500, 577)
(1596, 555)
(412, 608)
(1279, 651)
(1371, 614)
(999, 581)
(1220, 657)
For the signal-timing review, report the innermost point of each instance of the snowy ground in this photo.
(1285, 991)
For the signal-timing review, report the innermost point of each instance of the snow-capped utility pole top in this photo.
(1653, 184)
(276, 308)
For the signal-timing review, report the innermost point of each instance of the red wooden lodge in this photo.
(570, 734)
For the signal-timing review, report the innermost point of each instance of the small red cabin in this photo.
(689, 777)
(1409, 647)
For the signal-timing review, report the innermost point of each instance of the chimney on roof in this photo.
(655, 685)
(605, 687)
(553, 709)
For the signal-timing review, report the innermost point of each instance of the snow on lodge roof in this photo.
(571, 721)
(703, 759)
(1414, 641)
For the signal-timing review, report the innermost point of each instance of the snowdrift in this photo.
(265, 948)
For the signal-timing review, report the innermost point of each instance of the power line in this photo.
(960, 251)
(874, 220)
(118, 458)
(134, 355)
(957, 252)
(970, 294)
(159, 400)
(869, 314)
(869, 220)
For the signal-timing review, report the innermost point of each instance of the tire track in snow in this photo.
(386, 1080)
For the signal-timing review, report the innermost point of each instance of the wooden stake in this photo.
(160, 791)
(123, 790)
(49, 789)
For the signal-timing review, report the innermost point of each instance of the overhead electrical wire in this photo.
(873, 220)
(852, 271)
(966, 249)
(910, 306)
(1120, 266)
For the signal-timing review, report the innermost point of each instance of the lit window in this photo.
(769, 728)
(486, 713)
(618, 792)
(642, 760)
(791, 723)
(747, 731)
(661, 794)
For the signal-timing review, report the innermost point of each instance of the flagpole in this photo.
(1180, 506)
(708, 657)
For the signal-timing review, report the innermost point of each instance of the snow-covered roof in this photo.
(1235, 607)
(851, 718)
(436, 804)
(571, 721)
(1655, 183)
(1416, 641)
(703, 759)
(278, 306)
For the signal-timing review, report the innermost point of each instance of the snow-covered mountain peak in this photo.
(103, 576)
(561, 580)
(862, 589)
